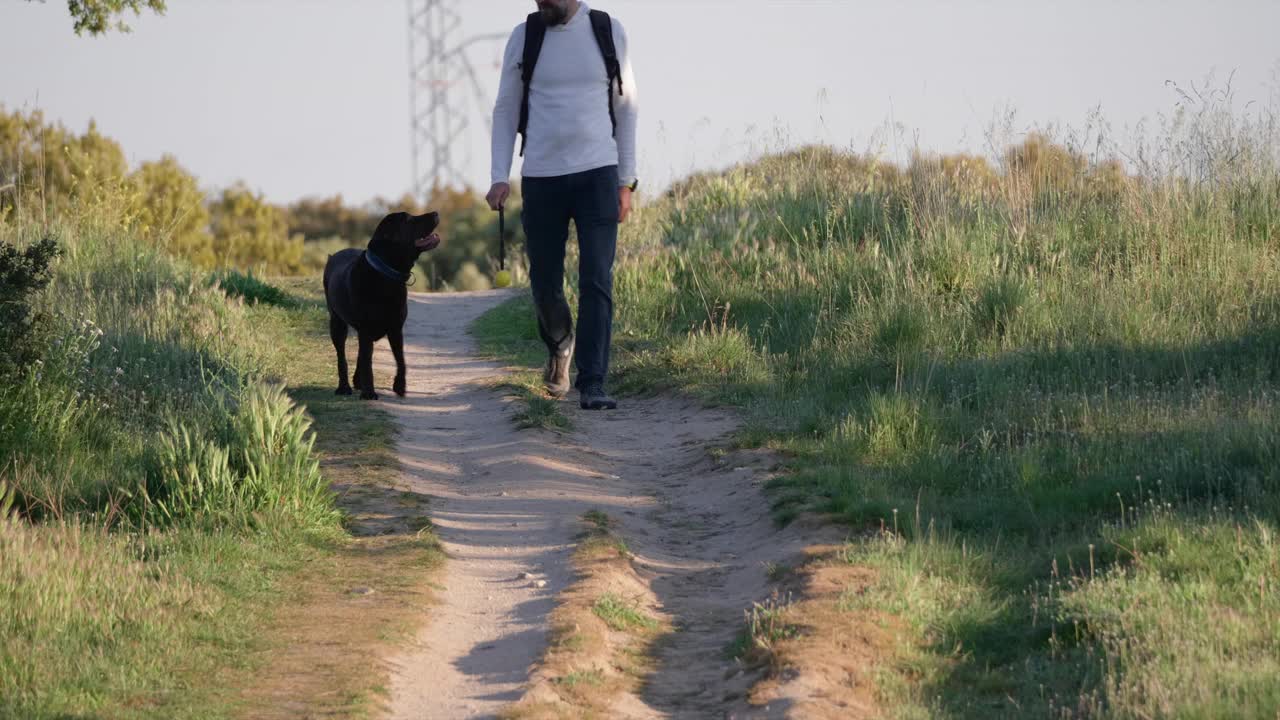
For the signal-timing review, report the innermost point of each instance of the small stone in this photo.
(540, 583)
(362, 591)
(524, 576)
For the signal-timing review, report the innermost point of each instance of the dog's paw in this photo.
(344, 390)
(399, 387)
(368, 395)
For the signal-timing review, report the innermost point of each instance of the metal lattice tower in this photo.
(441, 77)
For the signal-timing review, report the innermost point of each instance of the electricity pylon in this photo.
(444, 94)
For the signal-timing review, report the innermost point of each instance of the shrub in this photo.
(253, 290)
(24, 329)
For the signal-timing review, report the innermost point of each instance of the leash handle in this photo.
(502, 237)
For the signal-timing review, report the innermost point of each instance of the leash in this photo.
(502, 237)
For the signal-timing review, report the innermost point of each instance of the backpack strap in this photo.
(535, 31)
(602, 25)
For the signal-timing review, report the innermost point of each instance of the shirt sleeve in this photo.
(626, 109)
(506, 110)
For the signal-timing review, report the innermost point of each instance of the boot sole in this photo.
(598, 405)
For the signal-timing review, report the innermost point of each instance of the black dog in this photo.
(366, 289)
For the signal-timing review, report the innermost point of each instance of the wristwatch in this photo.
(635, 184)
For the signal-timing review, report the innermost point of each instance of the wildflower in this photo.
(119, 371)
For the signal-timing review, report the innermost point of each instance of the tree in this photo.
(96, 17)
(171, 211)
(248, 231)
(51, 167)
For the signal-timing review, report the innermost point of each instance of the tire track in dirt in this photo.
(506, 504)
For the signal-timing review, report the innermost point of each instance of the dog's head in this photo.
(401, 238)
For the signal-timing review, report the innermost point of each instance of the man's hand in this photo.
(624, 203)
(497, 196)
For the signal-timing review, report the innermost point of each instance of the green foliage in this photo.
(248, 231)
(252, 289)
(98, 16)
(50, 168)
(57, 176)
(172, 214)
(49, 174)
(24, 327)
(621, 615)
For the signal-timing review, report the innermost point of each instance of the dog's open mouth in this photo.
(430, 242)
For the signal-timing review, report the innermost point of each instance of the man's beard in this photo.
(553, 15)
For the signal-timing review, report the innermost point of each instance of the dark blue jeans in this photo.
(590, 200)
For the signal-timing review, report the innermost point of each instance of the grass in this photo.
(766, 624)
(1053, 384)
(508, 332)
(171, 512)
(621, 615)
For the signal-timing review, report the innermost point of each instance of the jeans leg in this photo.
(595, 214)
(546, 228)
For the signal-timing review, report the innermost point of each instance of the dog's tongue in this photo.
(430, 242)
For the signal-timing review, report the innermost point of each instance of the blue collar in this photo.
(384, 269)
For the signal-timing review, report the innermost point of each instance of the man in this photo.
(580, 165)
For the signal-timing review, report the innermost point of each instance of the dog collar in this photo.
(384, 269)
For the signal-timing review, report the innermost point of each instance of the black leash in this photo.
(502, 237)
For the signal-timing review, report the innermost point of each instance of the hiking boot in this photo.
(556, 374)
(592, 397)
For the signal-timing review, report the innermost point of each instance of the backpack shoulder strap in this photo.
(602, 26)
(535, 31)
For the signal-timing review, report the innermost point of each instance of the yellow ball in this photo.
(502, 279)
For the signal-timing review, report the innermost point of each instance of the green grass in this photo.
(254, 290)
(1056, 389)
(582, 677)
(621, 615)
(509, 333)
(165, 492)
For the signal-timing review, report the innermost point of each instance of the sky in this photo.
(311, 97)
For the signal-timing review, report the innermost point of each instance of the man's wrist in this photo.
(628, 183)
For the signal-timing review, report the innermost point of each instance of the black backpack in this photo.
(536, 31)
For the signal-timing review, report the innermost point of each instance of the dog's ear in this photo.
(388, 229)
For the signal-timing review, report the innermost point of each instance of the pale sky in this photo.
(311, 97)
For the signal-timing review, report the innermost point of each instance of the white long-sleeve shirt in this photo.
(569, 128)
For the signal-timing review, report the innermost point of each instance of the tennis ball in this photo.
(502, 279)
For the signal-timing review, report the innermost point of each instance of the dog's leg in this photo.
(364, 369)
(338, 333)
(395, 337)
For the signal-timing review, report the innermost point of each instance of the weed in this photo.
(621, 615)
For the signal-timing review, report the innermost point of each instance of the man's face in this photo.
(554, 12)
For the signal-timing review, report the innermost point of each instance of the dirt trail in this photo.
(506, 505)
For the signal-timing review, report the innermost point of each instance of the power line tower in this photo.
(442, 84)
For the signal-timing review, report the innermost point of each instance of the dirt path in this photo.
(506, 505)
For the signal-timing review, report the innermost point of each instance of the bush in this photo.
(248, 231)
(24, 328)
(253, 290)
